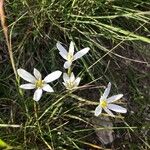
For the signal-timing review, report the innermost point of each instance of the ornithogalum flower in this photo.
(36, 82)
(70, 82)
(105, 103)
(70, 56)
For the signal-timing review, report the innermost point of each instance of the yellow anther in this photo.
(39, 84)
(70, 85)
(70, 57)
(103, 103)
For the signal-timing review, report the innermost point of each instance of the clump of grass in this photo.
(115, 31)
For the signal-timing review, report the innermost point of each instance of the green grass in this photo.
(117, 33)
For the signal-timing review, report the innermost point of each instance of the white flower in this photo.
(70, 82)
(36, 82)
(105, 103)
(70, 56)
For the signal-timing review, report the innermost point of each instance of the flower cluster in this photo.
(69, 81)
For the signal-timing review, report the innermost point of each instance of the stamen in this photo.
(70, 57)
(39, 84)
(103, 103)
(70, 85)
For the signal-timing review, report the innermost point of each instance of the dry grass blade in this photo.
(8, 41)
(11, 125)
(93, 146)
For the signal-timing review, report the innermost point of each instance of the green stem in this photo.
(69, 71)
(35, 111)
(39, 127)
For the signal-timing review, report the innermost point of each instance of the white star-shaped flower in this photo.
(70, 56)
(70, 82)
(36, 82)
(105, 103)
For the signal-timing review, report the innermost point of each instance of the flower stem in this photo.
(69, 71)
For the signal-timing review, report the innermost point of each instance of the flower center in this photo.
(70, 85)
(39, 84)
(103, 103)
(70, 57)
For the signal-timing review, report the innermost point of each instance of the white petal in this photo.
(61, 48)
(63, 55)
(71, 48)
(109, 112)
(37, 74)
(77, 81)
(72, 77)
(53, 76)
(98, 110)
(117, 108)
(37, 94)
(47, 88)
(65, 84)
(65, 77)
(114, 98)
(106, 92)
(27, 86)
(67, 64)
(81, 53)
(26, 75)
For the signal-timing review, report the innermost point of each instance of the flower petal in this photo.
(106, 92)
(61, 48)
(65, 77)
(77, 81)
(67, 64)
(117, 108)
(47, 88)
(37, 94)
(27, 86)
(53, 76)
(37, 74)
(71, 48)
(26, 75)
(65, 84)
(63, 55)
(81, 53)
(72, 77)
(114, 98)
(98, 110)
(109, 112)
